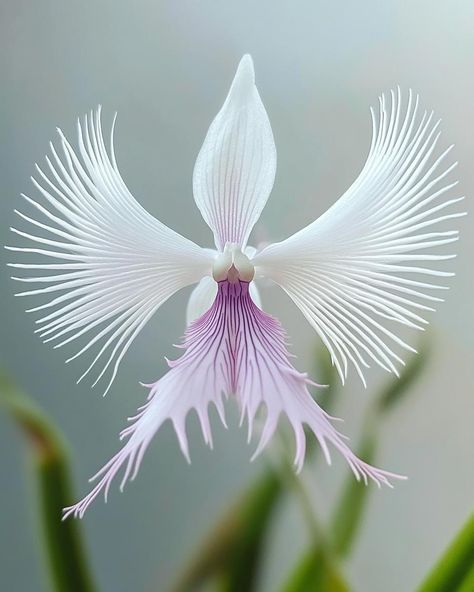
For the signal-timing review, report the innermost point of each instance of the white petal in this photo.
(357, 271)
(255, 294)
(201, 299)
(113, 264)
(235, 168)
(253, 288)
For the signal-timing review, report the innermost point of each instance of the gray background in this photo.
(166, 67)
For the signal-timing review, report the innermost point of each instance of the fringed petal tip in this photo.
(363, 472)
(320, 424)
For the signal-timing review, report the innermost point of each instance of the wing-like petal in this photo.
(113, 263)
(235, 168)
(366, 264)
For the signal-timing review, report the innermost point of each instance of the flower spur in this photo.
(356, 273)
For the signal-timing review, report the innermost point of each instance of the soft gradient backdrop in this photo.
(166, 67)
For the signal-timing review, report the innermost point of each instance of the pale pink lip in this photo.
(232, 348)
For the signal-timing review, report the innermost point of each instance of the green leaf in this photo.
(468, 582)
(65, 555)
(454, 571)
(317, 572)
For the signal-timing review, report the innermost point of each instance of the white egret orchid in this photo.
(355, 273)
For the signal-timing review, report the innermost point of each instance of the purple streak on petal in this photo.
(234, 348)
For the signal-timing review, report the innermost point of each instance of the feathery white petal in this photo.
(357, 271)
(114, 263)
(235, 169)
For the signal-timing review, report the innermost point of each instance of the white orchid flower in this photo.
(363, 267)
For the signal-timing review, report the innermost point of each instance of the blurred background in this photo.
(166, 68)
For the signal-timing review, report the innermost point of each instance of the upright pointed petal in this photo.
(111, 264)
(235, 168)
(371, 262)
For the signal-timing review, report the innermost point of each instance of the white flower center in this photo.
(233, 265)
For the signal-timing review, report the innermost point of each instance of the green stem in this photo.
(455, 569)
(232, 552)
(349, 510)
(294, 483)
(244, 562)
(67, 565)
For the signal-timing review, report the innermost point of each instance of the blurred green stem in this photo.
(349, 511)
(62, 541)
(233, 549)
(317, 572)
(244, 562)
(454, 572)
(294, 483)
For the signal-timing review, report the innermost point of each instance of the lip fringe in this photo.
(236, 348)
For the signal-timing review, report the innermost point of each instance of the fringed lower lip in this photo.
(234, 347)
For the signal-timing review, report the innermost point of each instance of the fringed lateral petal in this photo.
(366, 264)
(113, 264)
